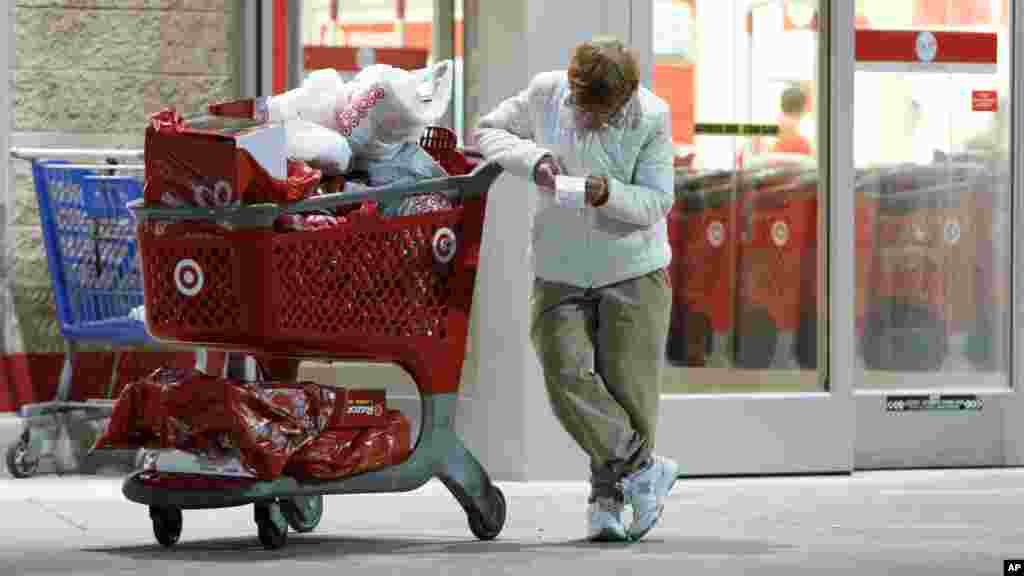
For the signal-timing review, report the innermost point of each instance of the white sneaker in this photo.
(645, 491)
(605, 520)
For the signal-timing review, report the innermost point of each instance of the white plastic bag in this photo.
(389, 105)
(315, 144)
(323, 93)
(381, 108)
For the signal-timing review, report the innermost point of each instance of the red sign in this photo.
(937, 47)
(984, 101)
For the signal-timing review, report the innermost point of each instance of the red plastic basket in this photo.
(442, 144)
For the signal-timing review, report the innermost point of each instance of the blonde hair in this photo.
(603, 75)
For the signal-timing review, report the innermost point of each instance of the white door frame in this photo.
(1013, 417)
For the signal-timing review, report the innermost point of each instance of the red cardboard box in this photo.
(360, 409)
(222, 163)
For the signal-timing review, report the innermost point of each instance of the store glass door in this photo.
(751, 387)
(935, 92)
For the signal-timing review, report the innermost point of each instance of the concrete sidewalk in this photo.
(957, 522)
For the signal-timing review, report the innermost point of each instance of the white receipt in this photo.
(570, 191)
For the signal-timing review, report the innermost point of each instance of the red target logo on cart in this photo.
(716, 234)
(780, 233)
(952, 232)
(188, 277)
(378, 410)
(444, 245)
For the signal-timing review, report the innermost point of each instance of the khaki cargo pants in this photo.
(603, 354)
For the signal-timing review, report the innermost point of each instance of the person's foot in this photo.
(645, 490)
(605, 520)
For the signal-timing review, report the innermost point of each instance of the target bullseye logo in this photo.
(444, 245)
(927, 46)
(188, 277)
(952, 232)
(780, 233)
(716, 234)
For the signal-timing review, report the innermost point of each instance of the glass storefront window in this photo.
(741, 78)
(933, 199)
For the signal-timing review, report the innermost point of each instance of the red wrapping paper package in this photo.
(138, 418)
(274, 426)
(189, 410)
(347, 452)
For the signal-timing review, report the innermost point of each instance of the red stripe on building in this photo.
(346, 58)
(901, 46)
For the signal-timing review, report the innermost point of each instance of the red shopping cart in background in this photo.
(919, 278)
(745, 268)
(702, 231)
(778, 270)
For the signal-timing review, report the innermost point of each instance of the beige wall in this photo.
(89, 73)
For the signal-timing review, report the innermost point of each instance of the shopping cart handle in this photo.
(456, 187)
(66, 153)
(263, 215)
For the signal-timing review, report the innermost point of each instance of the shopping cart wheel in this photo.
(904, 335)
(981, 343)
(675, 345)
(755, 339)
(488, 528)
(166, 525)
(807, 340)
(20, 462)
(303, 513)
(272, 526)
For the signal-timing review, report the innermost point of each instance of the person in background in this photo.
(790, 140)
(601, 298)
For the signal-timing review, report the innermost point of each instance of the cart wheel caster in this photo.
(19, 463)
(904, 336)
(755, 339)
(303, 513)
(272, 526)
(489, 528)
(166, 525)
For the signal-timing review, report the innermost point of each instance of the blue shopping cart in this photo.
(89, 237)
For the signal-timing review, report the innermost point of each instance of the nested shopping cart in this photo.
(88, 234)
(395, 290)
(922, 282)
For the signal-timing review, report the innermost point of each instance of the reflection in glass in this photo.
(932, 198)
(744, 230)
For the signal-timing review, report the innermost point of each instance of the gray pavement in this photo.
(922, 522)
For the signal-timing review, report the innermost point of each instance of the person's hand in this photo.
(597, 190)
(545, 172)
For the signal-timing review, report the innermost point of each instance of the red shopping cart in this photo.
(395, 290)
(702, 232)
(918, 273)
(778, 272)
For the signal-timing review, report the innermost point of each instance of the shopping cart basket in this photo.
(918, 265)
(394, 290)
(88, 234)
